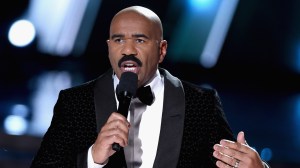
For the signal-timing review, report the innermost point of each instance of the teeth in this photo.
(129, 69)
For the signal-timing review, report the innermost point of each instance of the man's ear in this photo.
(163, 50)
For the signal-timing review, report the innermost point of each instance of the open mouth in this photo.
(130, 66)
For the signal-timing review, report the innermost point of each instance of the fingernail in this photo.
(216, 146)
(215, 153)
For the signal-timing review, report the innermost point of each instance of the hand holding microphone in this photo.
(125, 91)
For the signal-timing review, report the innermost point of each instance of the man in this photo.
(183, 127)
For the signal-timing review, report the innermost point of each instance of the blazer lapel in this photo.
(104, 98)
(172, 122)
(105, 104)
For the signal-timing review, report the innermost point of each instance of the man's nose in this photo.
(129, 48)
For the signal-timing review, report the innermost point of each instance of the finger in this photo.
(115, 131)
(116, 120)
(227, 155)
(117, 134)
(117, 116)
(226, 159)
(106, 141)
(117, 124)
(102, 148)
(221, 164)
(241, 138)
(225, 150)
(118, 138)
(236, 146)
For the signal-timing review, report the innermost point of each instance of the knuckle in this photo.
(232, 153)
(237, 145)
(232, 162)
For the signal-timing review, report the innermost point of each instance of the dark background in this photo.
(256, 75)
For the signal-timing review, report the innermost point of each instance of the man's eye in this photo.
(118, 40)
(140, 40)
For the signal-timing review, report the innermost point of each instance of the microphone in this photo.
(125, 91)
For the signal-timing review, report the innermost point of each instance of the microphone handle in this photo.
(124, 102)
(116, 147)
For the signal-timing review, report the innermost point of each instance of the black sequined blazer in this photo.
(192, 122)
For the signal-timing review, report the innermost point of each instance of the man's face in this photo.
(133, 34)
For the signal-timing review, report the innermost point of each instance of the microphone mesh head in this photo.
(128, 82)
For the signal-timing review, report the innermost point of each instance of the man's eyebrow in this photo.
(137, 35)
(140, 35)
(117, 36)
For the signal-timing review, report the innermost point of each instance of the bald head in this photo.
(142, 13)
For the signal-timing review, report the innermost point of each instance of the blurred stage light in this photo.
(201, 30)
(58, 24)
(266, 154)
(296, 119)
(21, 33)
(217, 34)
(48, 86)
(20, 110)
(202, 4)
(15, 125)
(297, 62)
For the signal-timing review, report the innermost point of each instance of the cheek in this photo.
(151, 65)
(114, 64)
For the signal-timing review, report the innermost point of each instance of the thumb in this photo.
(241, 138)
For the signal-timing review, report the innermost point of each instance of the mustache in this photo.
(130, 57)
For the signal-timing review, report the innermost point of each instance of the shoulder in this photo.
(75, 95)
(81, 88)
(201, 95)
(75, 100)
(191, 88)
(89, 85)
